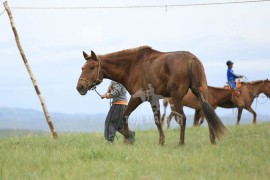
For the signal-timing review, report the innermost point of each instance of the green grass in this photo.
(243, 154)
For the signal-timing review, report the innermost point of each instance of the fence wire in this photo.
(2, 12)
(138, 6)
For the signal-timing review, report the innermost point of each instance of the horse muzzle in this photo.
(82, 87)
(82, 90)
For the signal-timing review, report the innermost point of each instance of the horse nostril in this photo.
(79, 88)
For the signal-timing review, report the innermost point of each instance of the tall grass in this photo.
(243, 154)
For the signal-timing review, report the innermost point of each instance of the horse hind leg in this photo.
(172, 114)
(165, 104)
(202, 118)
(169, 120)
(162, 120)
(180, 118)
(156, 111)
(196, 118)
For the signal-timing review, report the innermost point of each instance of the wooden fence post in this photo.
(46, 113)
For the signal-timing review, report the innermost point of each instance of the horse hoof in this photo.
(162, 143)
(162, 140)
(126, 141)
(181, 143)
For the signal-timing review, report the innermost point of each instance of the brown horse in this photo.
(149, 75)
(216, 97)
(250, 91)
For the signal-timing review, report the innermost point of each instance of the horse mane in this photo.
(126, 52)
(253, 82)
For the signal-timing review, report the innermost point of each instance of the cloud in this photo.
(93, 33)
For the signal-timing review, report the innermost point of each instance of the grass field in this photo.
(243, 154)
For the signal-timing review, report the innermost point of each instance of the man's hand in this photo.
(107, 96)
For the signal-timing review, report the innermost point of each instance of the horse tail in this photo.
(199, 89)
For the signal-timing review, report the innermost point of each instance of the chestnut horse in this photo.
(216, 97)
(248, 92)
(149, 75)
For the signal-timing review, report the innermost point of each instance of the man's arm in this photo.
(235, 75)
(116, 91)
(113, 93)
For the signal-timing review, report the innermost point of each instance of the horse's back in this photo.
(168, 63)
(166, 71)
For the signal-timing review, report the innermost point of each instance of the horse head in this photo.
(91, 75)
(266, 88)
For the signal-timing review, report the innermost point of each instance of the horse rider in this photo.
(114, 120)
(231, 76)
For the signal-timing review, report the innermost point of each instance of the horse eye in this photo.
(92, 68)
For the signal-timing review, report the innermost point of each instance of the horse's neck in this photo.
(254, 89)
(115, 68)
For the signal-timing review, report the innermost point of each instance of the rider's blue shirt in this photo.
(231, 76)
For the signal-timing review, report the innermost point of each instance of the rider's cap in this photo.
(229, 63)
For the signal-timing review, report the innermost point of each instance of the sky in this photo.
(53, 41)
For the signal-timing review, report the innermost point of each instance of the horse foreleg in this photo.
(239, 114)
(254, 114)
(156, 111)
(132, 105)
(202, 118)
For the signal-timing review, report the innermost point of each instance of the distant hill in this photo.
(28, 119)
(17, 118)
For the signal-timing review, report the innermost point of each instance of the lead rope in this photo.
(95, 88)
(263, 96)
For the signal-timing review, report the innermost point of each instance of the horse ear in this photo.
(85, 55)
(94, 56)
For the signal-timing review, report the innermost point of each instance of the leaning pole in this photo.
(46, 113)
